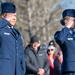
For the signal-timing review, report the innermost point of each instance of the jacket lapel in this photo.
(10, 31)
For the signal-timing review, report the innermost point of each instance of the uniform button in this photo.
(17, 53)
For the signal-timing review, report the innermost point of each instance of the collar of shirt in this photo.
(10, 27)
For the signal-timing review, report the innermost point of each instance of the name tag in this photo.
(69, 38)
(40, 54)
(7, 33)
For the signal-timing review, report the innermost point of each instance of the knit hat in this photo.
(52, 42)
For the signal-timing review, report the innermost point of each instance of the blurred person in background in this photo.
(59, 53)
(36, 58)
(44, 46)
(66, 40)
(53, 59)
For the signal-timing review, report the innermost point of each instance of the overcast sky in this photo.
(68, 4)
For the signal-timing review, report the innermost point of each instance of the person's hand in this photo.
(8, 17)
(69, 23)
(41, 71)
(60, 58)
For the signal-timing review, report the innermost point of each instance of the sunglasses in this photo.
(51, 50)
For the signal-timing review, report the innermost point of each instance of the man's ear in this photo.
(34, 45)
(3, 16)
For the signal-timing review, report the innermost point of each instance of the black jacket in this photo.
(35, 60)
(57, 67)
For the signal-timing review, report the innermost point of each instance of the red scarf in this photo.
(51, 65)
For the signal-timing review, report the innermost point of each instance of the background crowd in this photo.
(43, 59)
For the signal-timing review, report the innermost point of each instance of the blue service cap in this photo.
(8, 7)
(68, 12)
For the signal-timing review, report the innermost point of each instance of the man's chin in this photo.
(13, 24)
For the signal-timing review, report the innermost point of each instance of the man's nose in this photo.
(14, 18)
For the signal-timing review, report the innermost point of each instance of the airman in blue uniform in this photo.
(66, 40)
(12, 60)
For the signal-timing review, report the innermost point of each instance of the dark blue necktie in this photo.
(14, 32)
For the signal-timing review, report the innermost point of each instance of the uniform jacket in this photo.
(35, 60)
(66, 41)
(11, 51)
